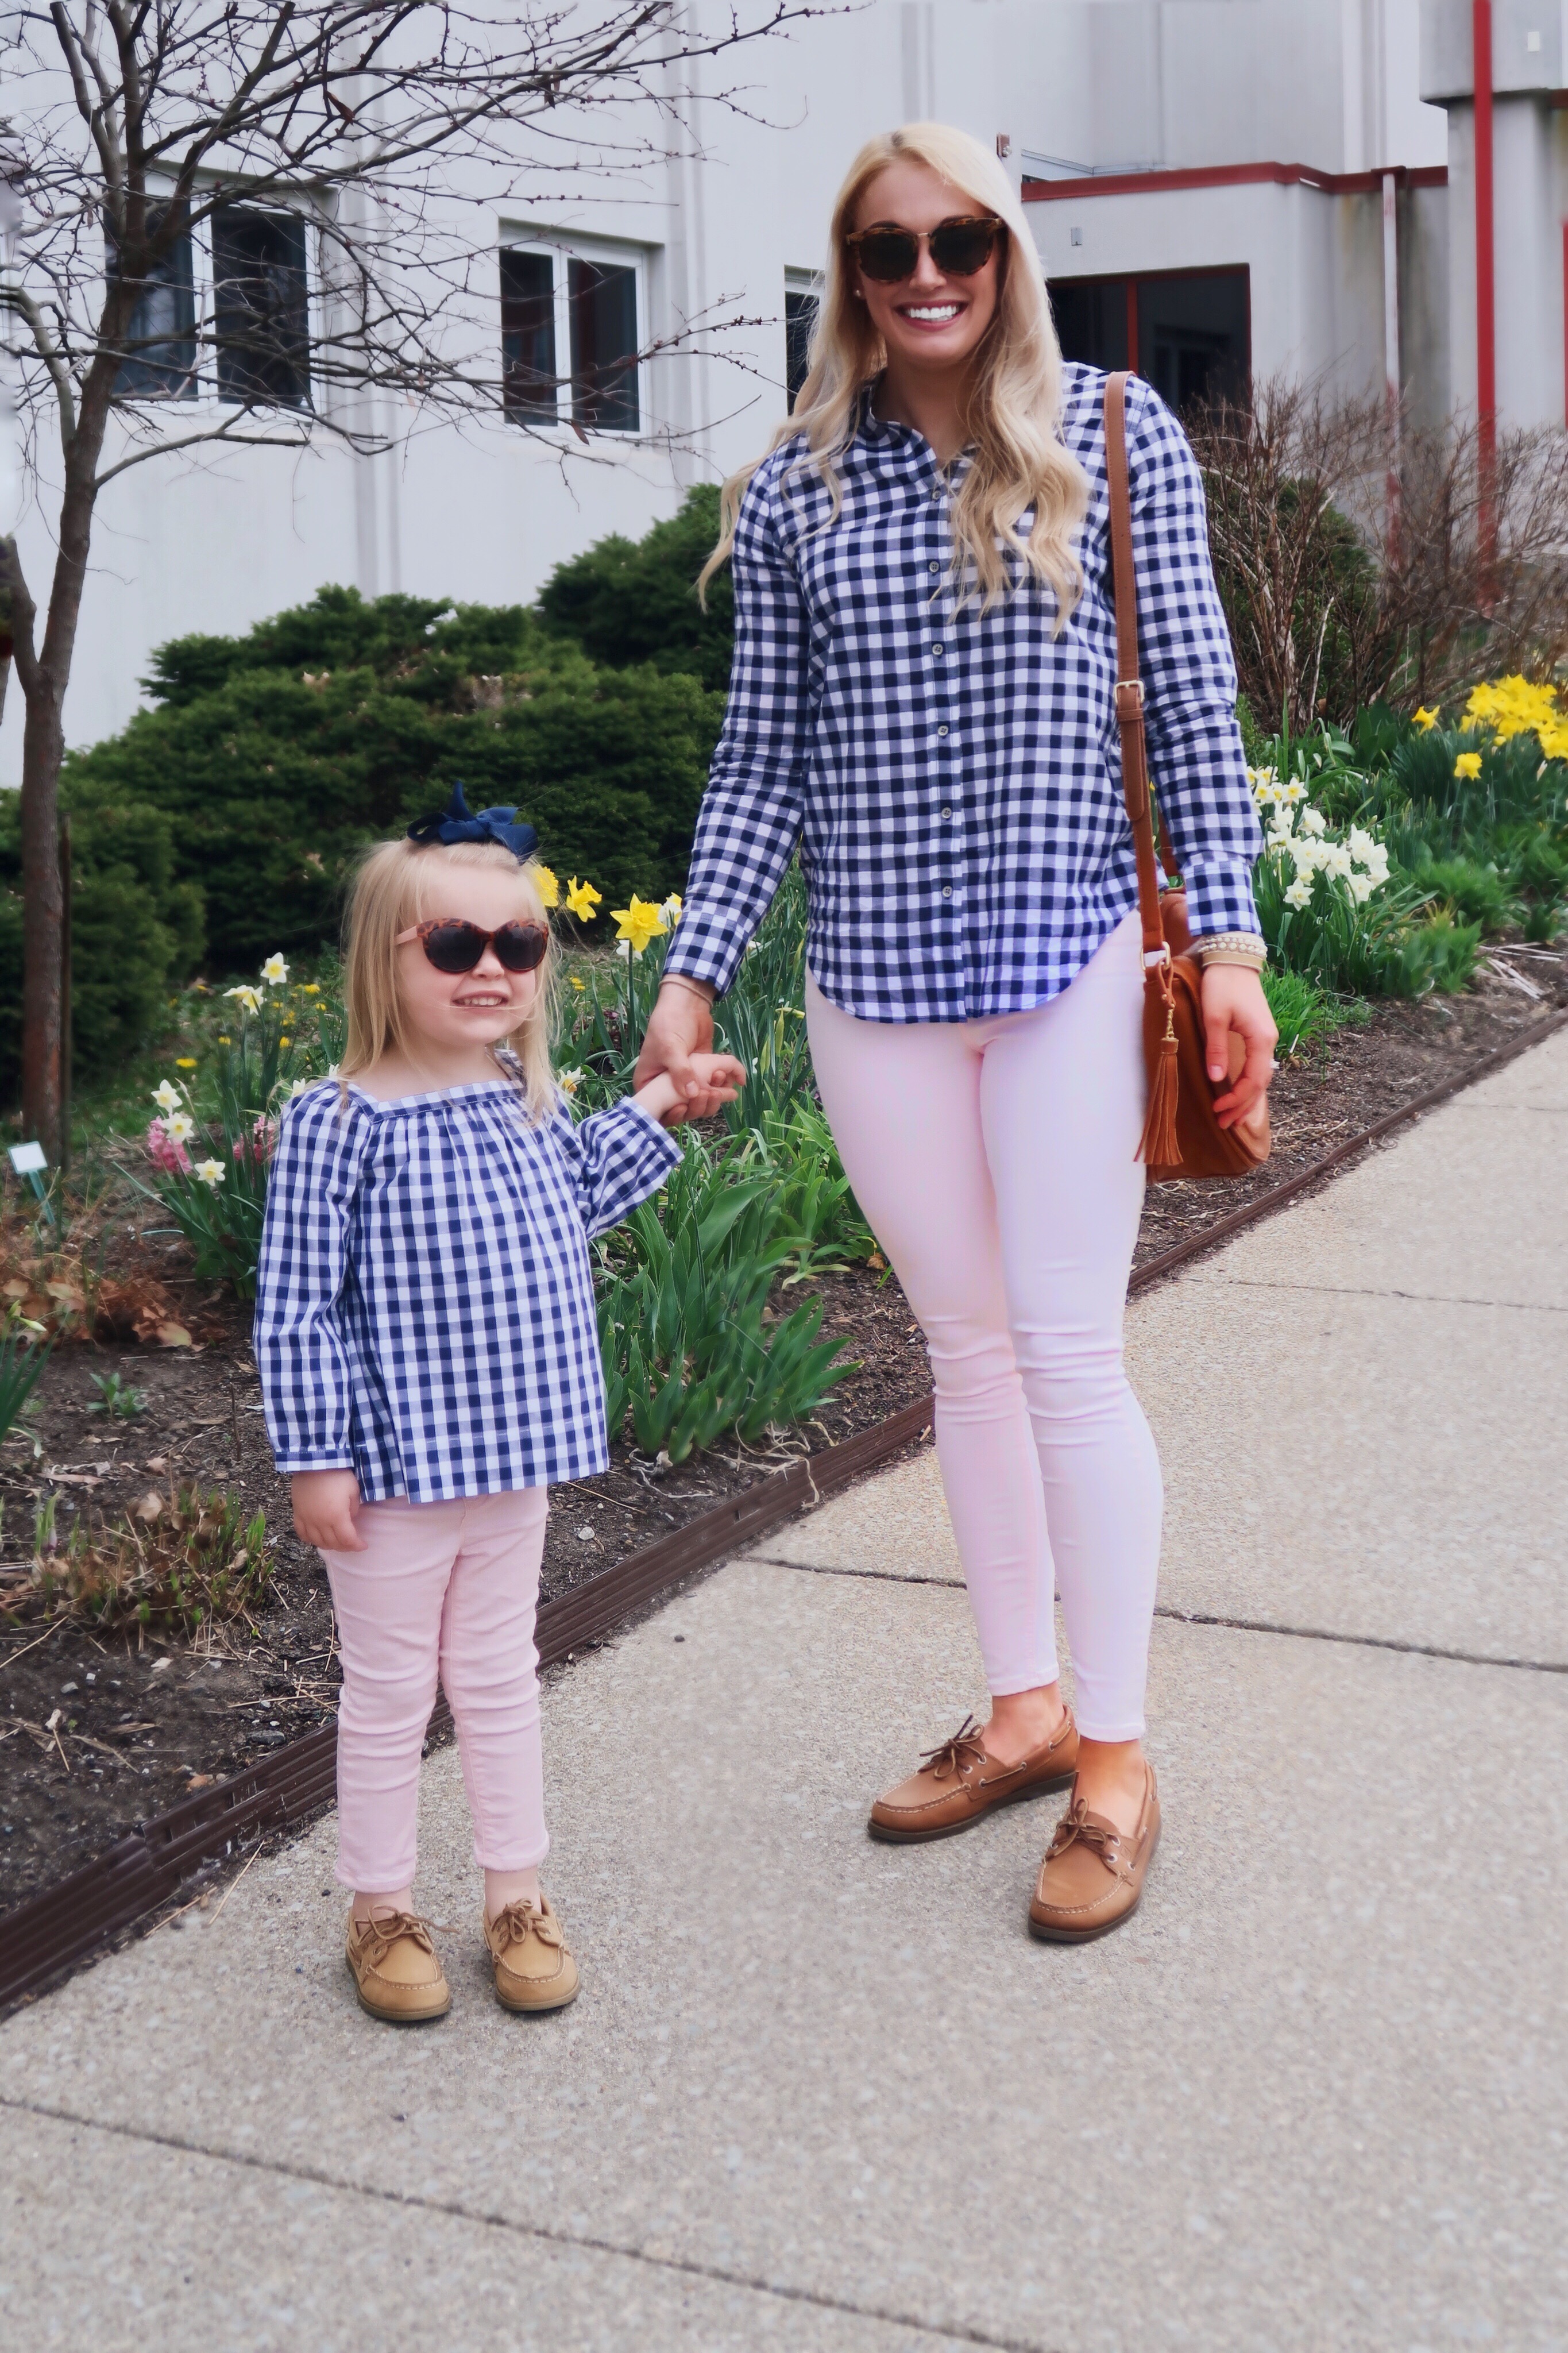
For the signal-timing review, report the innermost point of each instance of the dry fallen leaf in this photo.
(148, 1506)
(15, 1291)
(157, 1462)
(173, 1335)
(200, 1781)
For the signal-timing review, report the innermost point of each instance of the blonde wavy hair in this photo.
(1013, 417)
(388, 895)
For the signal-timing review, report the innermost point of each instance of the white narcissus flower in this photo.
(1293, 791)
(1299, 892)
(1313, 821)
(211, 1172)
(180, 1125)
(249, 998)
(1362, 847)
(1362, 887)
(569, 1081)
(275, 972)
(166, 1097)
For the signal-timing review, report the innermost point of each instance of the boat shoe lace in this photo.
(375, 1932)
(955, 1757)
(1079, 1827)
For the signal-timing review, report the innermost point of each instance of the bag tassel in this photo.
(1158, 1147)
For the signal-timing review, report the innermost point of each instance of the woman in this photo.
(923, 700)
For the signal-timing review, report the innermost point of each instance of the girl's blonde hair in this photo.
(1013, 409)
(388, 895)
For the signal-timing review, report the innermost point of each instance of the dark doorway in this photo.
(1190, 329)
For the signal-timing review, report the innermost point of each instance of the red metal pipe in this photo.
(1486, 282)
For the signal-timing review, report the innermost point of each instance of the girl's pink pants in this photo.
(448, 1587)
(995, 1161)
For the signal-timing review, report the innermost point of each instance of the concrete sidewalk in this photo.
(827, 2095)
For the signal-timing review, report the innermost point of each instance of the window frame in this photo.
(562, 247)
(204, 304)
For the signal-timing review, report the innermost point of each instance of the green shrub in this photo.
(276, 756)
(635, 601)
(136, 927)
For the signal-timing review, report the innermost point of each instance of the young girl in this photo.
(429, 1359)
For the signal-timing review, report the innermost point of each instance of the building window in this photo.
(602, 298)
(527, 336)
(800, 321)
(1186, 332)
(160, 342)
(260, 307)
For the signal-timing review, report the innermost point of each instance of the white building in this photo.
(1219, 189)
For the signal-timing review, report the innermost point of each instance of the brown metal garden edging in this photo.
(281, 1791)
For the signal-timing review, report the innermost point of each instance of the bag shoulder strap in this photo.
(1129, 682)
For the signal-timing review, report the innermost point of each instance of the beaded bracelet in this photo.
(1244, 948)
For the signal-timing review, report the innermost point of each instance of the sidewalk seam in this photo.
(1202, 1617)
(686, 2266)
(1360, 1291)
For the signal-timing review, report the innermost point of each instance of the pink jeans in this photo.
(995, 1161)
(453, 1588)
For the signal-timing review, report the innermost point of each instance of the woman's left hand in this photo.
(1236, 1007)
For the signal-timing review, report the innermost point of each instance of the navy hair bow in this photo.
(456, 823)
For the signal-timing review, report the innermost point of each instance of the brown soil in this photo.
(141, 1721)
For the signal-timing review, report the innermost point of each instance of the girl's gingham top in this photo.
(425, 1301)
(953, 779)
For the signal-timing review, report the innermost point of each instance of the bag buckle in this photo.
(1153, 958)
(1132, 686)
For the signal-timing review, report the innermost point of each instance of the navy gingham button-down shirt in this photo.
(425, 1301)
(953, 779)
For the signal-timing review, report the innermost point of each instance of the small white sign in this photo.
(27, 1159)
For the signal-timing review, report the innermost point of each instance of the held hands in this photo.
(1236, 1007)
(677, 1063)
(325, 1503)
(717, 1078)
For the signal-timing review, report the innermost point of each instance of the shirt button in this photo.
(933, 567)
(937, 651)
(942, 731)
(947, 812)
(947, 889)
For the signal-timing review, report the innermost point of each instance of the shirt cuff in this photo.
(289, 1463)
(706, 947)
(1219, 898)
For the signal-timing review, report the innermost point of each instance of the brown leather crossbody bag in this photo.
(1181, 1137)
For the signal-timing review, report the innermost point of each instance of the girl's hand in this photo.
(1236, 1007)
(718, 1079)
(325, 1503)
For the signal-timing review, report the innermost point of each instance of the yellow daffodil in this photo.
(639, 923)
(1427, 718)
(249, 998)
(166, 1097)
(222, 1039)
(285, 1041)
(211, 1172)
(275, 972)
(312, 988)
(580, 900)
(1468, 764)
(578, 984)
(547, 886)
(185, 1062)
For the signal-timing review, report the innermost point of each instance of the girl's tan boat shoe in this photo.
(533, 1969)
(394, 1966)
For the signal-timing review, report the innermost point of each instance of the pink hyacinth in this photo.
(165, 1151)
(259, 1146)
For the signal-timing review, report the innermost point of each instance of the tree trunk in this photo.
(44, 676)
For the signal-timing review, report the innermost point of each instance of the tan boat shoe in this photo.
(394, 1966)
(533, 1969)
(958, 1783)
(1093, 1875)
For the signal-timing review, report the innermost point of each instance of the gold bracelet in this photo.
(679, 980)
(1243, 948)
